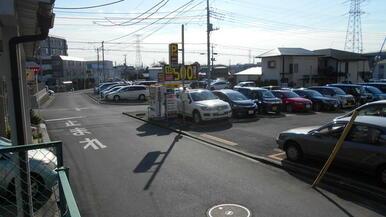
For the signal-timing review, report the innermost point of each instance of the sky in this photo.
(243, 28)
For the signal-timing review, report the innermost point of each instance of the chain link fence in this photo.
(30, 181)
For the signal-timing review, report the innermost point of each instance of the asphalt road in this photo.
(137, 169)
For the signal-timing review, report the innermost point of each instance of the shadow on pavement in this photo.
(150, 130)
(345, 194)
(150, 160)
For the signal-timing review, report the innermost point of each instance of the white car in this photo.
(133, 92)
(219, 84)
(203, 105)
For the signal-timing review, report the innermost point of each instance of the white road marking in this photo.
(77, 131)
(62, 119)
(94, 143)
(72, 124)
(77, 109)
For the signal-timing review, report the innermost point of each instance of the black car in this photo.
(380, 85)
(240, 104)
(359, 93)
(198, 85)
(319, 101)
(264, 99)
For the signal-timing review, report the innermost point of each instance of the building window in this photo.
(272, 64)
(293, 68)
(296, 68)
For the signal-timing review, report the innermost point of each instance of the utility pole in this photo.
(98, 72)
(208, 29)
(183, 65)
(103, 61)
(125, 69)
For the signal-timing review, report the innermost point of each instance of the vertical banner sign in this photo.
(173, 54)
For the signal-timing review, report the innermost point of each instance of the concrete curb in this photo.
(336, 181)
(44, 131)
(112, 103)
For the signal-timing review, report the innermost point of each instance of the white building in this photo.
(104, 73)
(294, 67)
(251, 74)
(379, 70)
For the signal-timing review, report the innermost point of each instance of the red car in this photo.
(292, 101)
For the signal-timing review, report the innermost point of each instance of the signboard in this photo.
(173, 54)
(180, 72)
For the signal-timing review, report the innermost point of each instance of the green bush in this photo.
(35, 118)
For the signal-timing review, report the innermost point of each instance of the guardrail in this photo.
(50, 191)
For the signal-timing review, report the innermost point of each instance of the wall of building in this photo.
(271, 73)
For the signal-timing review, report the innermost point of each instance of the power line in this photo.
(118, 13)
(123, 36)
(139, 16)
(88, 7)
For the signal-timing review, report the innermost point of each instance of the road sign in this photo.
(173, 54)
(180, 72)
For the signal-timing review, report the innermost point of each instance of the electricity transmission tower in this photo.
(354, 28)
(138, 58)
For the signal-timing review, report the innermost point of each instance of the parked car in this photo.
(104, 86)
(219, 84)
(103, 92)
(240, 104)
(272, 87)
(146, 83)
(203, 105)
(375, 92)
(293, 102)
(345, 100)
(245, 84)
(109, 90)
(132, 92)
(198, 85)
(380, 85)
(377, 108)
(319, 101)
(42, 164)
(364, 148)
(359, 93)
(265, 100)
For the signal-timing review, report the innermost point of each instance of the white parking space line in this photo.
(62, 119)
(219, 140)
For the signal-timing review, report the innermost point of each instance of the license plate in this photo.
(308, 106)
(274, 108)
(250, 112)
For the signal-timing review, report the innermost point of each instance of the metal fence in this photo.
(33, 180)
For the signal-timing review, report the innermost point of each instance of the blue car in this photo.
(375, 92)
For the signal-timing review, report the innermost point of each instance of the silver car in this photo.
(43, 176)
(364, 148)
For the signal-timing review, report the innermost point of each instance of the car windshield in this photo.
(290, 95)
(338, 91)
(373, 90)
(236, 96)
(248, 84)
(267, 94)
(313, 93)
(203, 95)
(360, 90)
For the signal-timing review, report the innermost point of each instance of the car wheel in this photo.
(141, 97)
(40, 193)
(196, 117)
(116, 98)
(289, 108)
(317, 107)
(293, 152)
(382, 175)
